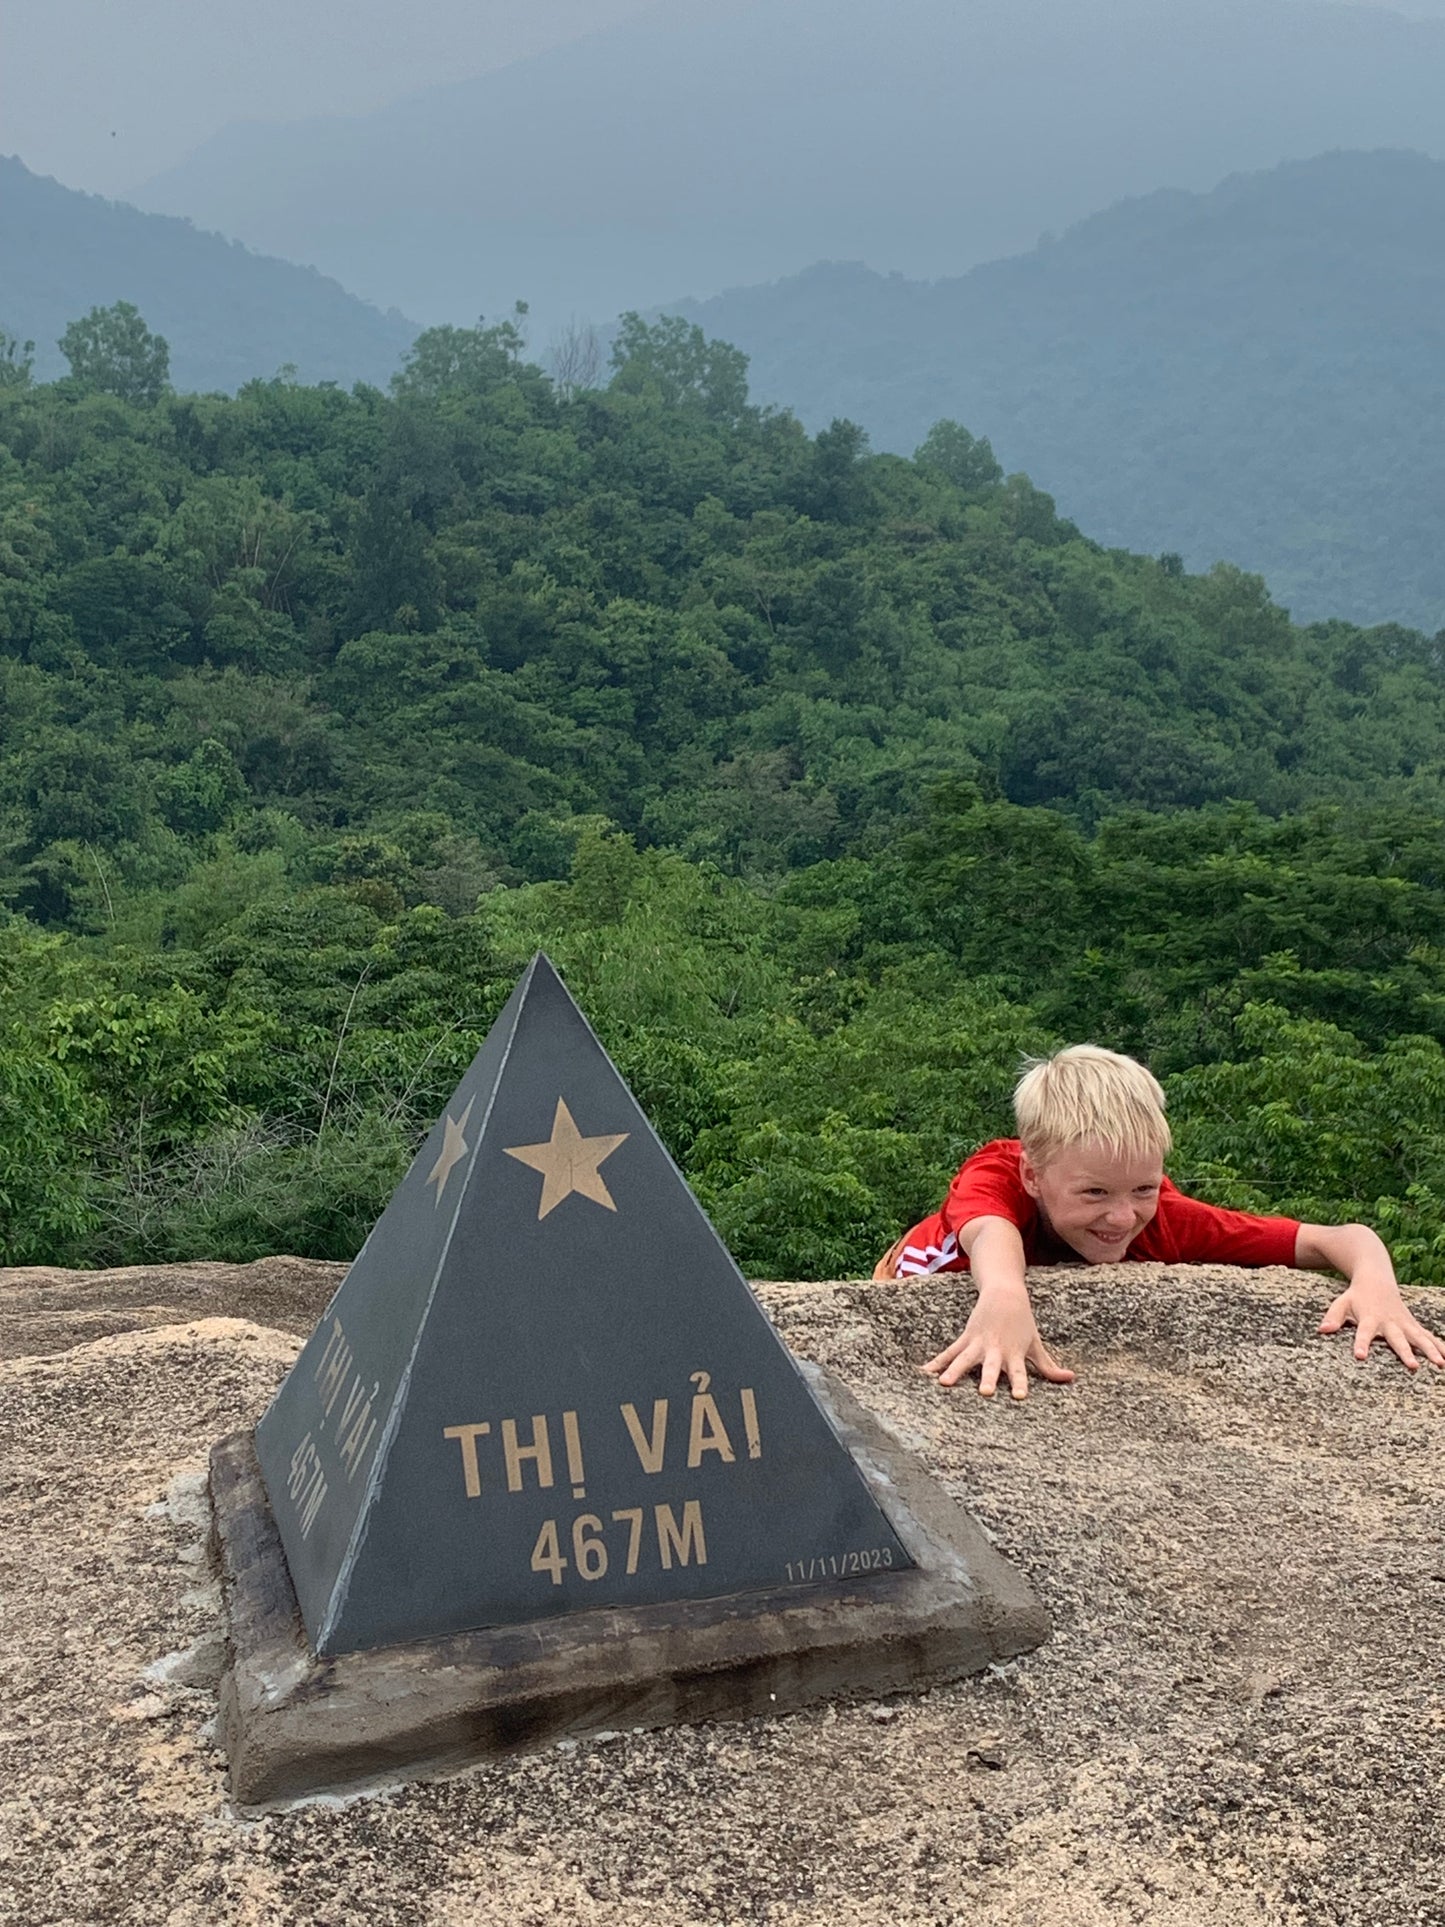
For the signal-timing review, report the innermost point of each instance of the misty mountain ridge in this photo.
(691, 149)
(1251, 374)
(1255, 374)
(228, 314)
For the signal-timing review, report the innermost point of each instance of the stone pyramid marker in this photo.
(545, 1468)
(544, 1385)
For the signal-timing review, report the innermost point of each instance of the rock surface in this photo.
(1238, 1531)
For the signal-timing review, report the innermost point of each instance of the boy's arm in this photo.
(1371, 1302)
(1000, 1339)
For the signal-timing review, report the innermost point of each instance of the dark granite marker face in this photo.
(544, 1385)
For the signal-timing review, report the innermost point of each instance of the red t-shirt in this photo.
(1182, 1230)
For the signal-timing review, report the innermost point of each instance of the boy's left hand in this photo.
(1381, 1313)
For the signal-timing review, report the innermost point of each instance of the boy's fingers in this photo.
(1399, 1334)
(1400, 1346)
(1391, 1335)
(966, 1355)
(1337, 1315)
(1049, 1368)
(944, 1358)
(959, 1359)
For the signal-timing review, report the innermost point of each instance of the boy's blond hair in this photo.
(1085, 1094)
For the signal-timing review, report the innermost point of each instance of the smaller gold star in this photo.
(454, 1149)
(569, 1162)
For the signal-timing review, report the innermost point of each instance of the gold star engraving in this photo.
(569, 1162)
(454, 1149)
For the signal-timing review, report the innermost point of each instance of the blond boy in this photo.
(1084, 1178)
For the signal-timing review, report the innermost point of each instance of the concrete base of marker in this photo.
(293, 1724)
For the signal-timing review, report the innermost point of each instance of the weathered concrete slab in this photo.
(45, 1309)
(1236, 1530)
(293, 1723)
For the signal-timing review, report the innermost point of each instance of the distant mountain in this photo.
(711, 143)
(228, 314)
(1255, 374)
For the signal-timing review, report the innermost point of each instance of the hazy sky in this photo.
(104, 93)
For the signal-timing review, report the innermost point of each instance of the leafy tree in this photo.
(394, 578)
(967, 461)
(128, 610)
(673, 361)
(201, 794)
(45, 1121)
(113, 351)
(840, 481)
(462, 360)
(17, 358)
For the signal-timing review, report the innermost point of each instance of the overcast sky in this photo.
(104, 93)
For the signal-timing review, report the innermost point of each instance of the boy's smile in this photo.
(1097, 1199)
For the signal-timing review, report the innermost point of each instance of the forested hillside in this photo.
(228, 314)
(1253, 373)
(831, 781)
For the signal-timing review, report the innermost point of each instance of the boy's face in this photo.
(1097, 1199)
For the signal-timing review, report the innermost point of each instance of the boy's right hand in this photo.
(1000, 1340)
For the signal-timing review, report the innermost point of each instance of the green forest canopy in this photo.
(832, 782)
